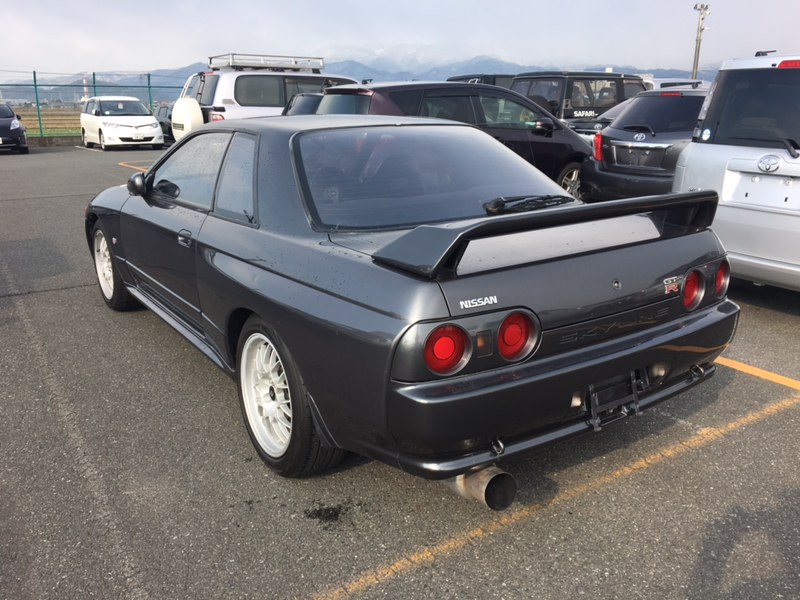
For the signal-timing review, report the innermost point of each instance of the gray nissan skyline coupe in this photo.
(413, 291)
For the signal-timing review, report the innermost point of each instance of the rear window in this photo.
(395, 177)
(663, 113)
(344, 104)
(754, 107)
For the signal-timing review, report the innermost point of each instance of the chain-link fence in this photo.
(50, 105)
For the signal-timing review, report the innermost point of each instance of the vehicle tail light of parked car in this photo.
(449, 347)
(597, 146)
(693, 290)
(517, 336)
(723, 278)
(789, 64)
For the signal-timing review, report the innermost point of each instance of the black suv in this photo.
(636, 154)
(577, 95)
(522, 125)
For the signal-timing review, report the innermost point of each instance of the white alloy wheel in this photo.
(103, 264)
(265, 394)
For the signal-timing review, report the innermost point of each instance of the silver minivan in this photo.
(747, 147)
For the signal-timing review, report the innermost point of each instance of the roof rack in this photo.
(266, 61)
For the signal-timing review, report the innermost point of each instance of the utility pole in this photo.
(704, 11)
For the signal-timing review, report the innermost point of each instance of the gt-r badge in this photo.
(477, 302)
(672, 285)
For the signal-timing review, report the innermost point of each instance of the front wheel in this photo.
(275, 407)
(114, 292)
(86, 143)
(570, 179)
(103, 146)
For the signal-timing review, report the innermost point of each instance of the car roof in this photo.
(576, 74)
(759, 62)
(385, 85)
(676, 90)
(299, 123)
(114, 98)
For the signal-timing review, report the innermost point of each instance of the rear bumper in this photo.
(448, 427)
(597, 184)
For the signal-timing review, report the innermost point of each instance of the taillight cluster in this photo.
(597, 146)
(694, 285)
(448, 348)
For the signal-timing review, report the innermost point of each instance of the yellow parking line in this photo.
(383, 573)
(760, 373)
(134, 167)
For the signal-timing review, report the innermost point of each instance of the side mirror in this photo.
(96, 112)
(136, 185)
(18, 117)
(544, 126)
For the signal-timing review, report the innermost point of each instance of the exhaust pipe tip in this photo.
(490, 486)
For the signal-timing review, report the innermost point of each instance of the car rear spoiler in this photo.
(430, 250)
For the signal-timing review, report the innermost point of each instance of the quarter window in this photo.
(235, 195)
(455, 108)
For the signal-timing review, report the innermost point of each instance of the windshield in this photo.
(753, 107)
(122, 108)
(5, 112)
(394, 177)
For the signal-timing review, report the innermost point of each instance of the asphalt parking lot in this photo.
(126, 470)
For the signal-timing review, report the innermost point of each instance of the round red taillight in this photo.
(693, 289)
(446, 349)
(516, 337)
(722, 279)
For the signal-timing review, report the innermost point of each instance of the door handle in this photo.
(185, 238)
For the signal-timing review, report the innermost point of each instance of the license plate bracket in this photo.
(614, 399)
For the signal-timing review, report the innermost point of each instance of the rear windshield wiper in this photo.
(513, 204)
(637, 127)
(791, 145)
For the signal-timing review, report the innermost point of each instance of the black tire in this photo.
(112, 289)
(86, 143)
(570, 179)
(103, 146)
(24, 150)
(275, 407)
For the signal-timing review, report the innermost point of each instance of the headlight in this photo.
(109, 125)
(155, 125)
(14, 124)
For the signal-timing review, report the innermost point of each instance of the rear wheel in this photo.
(275, 407)
(570, 179)
(114, 292)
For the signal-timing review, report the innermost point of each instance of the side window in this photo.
(190, 174)
(259, 90)
(89, 107)
(236, 194)
(408, 101)
(455, 108)
(631, 87)
(507, 113)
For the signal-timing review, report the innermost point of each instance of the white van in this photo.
(747, 147)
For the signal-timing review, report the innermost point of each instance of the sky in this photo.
(53, 36)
